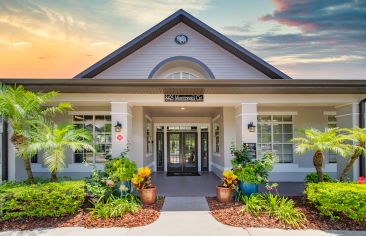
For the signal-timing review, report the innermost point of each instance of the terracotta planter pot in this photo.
(148, 195)
(224, 194)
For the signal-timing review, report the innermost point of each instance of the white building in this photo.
(185, 93)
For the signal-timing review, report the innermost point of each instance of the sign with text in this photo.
(183, 97)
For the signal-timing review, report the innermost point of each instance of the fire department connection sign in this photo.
(119, 137)
(183, 97)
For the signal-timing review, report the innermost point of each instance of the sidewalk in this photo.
(180, 216)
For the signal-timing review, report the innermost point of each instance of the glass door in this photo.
(174, 152)
(204, 151)
(189, 157)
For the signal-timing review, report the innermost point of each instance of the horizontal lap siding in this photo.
(223, 64)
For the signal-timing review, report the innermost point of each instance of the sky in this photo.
(306, 39)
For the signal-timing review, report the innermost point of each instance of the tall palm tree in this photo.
(356, 135)
(53, 140)
(319, 142)
(21, 107)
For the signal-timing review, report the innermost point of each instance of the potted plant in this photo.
(142, 182)
(121, 170)
(254, 173)
(224, 192)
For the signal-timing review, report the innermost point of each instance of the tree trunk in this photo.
(53, 176)
(318, 163)
(28, 169)
(350, 163)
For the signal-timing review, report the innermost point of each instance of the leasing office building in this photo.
(181, 94)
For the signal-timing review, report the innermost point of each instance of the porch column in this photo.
(246, 113)
(347, 116)
(120, 112)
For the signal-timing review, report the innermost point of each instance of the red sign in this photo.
(119, 137)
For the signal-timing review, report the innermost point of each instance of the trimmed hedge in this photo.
(338, 199)
(42, 199)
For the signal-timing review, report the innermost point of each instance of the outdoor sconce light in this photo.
(251, 127)
(118, 127)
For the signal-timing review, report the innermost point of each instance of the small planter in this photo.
(148, 195)
(122, 188)
(248, 188)
(224, 194)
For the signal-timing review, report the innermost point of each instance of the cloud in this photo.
(98, 44)
(297, 59)
(152, 11)
(23, 43)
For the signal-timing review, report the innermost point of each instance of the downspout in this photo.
(362, 125)
(4, 157)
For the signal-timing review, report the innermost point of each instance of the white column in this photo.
(245, 114)
(347, 116)
(121, 113)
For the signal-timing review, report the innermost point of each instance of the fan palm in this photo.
(21, 107)
(53, 140)
(319, 142)
(356, 135)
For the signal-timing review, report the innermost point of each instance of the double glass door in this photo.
(182, 152)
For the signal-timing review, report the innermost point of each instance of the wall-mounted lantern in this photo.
(251, 127)
(118, 127)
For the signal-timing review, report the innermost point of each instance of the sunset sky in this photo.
(307, 39)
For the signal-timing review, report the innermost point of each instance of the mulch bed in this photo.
(83, 218)
(229, 214)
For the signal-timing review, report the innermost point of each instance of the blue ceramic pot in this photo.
(248, 188)
(122, 188)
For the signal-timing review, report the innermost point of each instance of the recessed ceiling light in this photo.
(182, 108)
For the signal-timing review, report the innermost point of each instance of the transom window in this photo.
(101, 129)
(274, 134)
(181, 75)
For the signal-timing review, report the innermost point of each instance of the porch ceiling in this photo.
(155, 111)
(154, 86)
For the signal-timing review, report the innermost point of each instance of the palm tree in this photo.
(356, 135)
(315, 140)
(53, 140)
(21, 108)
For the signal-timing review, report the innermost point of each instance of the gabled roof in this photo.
(178, 17)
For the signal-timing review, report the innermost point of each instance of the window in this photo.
(149, 140)
(332, 123)
(274, 134)
(216, 138)
(34, 159)
(181, 75)
(101, 129)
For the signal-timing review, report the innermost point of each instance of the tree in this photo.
(357, 135)
(21, 108)
(53, 140)
(328, 141)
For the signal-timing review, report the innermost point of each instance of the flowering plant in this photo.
(361, 180)
(229, 180)
(142, 179)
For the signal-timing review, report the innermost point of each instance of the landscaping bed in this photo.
(83, 218)
(229, 214)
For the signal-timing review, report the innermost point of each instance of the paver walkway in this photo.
(180, 216)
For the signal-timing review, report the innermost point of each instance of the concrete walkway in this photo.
(180, 216)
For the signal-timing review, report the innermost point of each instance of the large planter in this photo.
(122, 188)
(224, 194)
(248, 188)
(148, 195)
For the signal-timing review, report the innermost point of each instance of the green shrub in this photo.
(98, 185)
(241, 156)
(336, 199)
(120, 169)
(116, 207)
(280, 208)
(42, 199)
(313, 178)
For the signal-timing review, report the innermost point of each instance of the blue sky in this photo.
(307, 39)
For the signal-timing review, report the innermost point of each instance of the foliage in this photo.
(329, 141)
(313, 178)
(336, 199)
(142, 179)
(280, 208)
(98, 185)
(120, 169)
(241, 156)
(53, 140)
(21, 108)
(361, 180)
(256, 171)
(42, 199)
(115, 207)
(229, 179)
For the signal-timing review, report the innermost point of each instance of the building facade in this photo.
(179, 95)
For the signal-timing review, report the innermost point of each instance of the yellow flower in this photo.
(144, 172)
